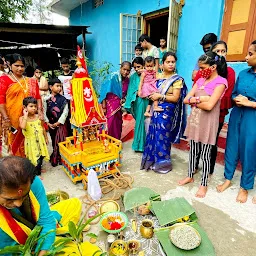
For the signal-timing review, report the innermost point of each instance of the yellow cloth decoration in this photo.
(79, 114)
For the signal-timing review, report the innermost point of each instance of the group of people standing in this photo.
(157, 96)
(29, 107)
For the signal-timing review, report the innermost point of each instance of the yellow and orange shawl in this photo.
(15, 229)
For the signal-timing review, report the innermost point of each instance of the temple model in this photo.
(89, 147)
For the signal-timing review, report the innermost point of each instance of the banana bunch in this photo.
(184, 219)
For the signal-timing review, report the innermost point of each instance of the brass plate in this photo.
(180, 225)
(109, 206)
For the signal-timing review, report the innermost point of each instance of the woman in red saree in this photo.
(14, 87)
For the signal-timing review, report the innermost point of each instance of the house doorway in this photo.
(156, 26)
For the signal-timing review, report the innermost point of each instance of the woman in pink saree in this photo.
(112, 95)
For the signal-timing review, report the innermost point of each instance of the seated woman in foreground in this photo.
(23, 205)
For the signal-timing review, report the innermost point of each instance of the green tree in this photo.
(10, 9)
(39, 12)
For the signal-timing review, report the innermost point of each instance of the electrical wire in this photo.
(50, 47)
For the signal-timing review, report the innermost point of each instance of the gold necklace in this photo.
(24, 89)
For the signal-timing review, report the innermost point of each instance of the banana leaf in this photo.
(138, 196)
(205, 248)
(169, 211)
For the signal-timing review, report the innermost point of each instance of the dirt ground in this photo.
(230, 226)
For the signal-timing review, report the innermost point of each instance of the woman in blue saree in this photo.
(137, 106)
(165, 127)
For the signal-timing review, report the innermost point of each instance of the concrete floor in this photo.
(230, 226)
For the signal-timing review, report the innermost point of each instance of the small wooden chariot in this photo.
(89, 147)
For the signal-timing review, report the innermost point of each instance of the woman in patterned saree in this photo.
(112, 95)
(166, 127)
(14, 87)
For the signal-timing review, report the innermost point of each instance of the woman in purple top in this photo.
(203, 122)
(112, 95)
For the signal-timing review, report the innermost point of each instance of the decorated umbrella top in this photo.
(85, 109)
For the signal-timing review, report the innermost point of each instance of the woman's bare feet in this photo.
(158, 109)
(185, 181)
(224, 186)
(254, 200)
(201, 191)
(147, 114)
(242, 196)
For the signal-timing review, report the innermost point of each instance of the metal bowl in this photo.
(58, 196)
(119, 248)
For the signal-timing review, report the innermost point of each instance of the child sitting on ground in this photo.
(56, 112)
(147, 84)
(35, 134)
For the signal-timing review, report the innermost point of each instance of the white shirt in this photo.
(65, 80)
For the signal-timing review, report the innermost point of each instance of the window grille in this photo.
(97, 3)
(130, 31)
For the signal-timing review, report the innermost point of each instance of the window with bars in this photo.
(97, 3)
(130, 31)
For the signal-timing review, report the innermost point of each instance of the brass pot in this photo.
(147, 229)
(119, 248)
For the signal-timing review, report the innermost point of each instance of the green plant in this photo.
(10, 9)
(51, 74)
(75, 235)
(76, 231)
(99, 72)
(34, 240)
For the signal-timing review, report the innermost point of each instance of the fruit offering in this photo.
(112, 222)
(184, 219)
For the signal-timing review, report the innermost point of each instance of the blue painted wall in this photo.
(199, 17)
(104, 21)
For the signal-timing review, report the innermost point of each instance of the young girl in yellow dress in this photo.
(35, 135)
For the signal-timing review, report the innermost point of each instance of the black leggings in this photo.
(39, 165)
(214, 152)
(198, 149)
